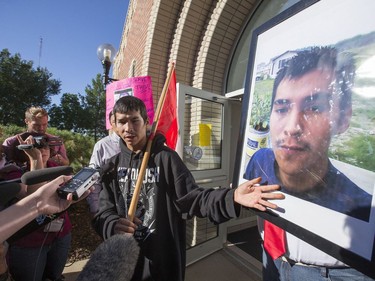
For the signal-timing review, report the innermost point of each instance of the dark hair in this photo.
(130, 103)
(321, 58)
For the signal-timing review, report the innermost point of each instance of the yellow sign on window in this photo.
(205, 134)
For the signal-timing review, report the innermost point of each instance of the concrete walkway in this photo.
(228, 264)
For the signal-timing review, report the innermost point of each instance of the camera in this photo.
(41, 141)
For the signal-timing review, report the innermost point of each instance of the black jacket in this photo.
(169, 196)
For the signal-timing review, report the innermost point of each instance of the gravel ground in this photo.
(84, 238)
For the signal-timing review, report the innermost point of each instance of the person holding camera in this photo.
(42, 253)
(36, 119)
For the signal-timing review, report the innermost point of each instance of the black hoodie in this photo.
(169, 195)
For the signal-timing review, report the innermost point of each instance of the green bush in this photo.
(261, 105)
(357, 150)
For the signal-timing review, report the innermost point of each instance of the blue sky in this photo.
(71, 31)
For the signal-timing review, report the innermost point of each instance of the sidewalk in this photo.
(230, 263)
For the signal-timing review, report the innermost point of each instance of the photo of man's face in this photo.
(311, 103)
(318, 97)
(301, 122)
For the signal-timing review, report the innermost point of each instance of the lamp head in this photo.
(106, 53)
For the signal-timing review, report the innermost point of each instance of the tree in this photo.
(95, 108)
(70, 115)
(21, 86)
(82, 114)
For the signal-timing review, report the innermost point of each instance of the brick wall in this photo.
(198, 35)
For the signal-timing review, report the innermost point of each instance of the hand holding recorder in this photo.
(79, 183)
(45, 201)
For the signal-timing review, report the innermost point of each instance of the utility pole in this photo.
(40, 50)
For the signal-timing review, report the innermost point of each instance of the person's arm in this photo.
(4, 273)
(219, 204)
(106, 218)
(35, 159)
(43, 201)
(34, 154)
(60, 157)
(60, 160)
(8, 147)
(93, 198)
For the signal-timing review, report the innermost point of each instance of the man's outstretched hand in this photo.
(251, 194)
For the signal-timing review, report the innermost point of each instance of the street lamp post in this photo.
(106, 53)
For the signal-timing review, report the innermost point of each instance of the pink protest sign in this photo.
(140, 87)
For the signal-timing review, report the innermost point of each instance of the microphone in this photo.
(46, 174)
(8, 190)
(114, 259)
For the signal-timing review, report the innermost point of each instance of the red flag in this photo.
(168, 125)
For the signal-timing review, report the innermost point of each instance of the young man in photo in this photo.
(311, 103)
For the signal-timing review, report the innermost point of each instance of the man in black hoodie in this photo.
(169, 195)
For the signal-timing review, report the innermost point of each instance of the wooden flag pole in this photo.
(146, 156)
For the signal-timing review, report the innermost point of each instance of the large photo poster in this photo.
(308, 124)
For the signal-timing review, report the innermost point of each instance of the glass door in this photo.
(204, 146)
